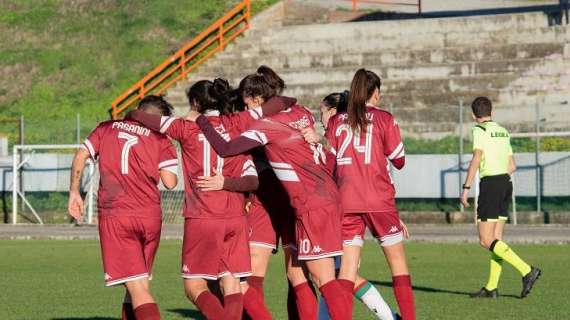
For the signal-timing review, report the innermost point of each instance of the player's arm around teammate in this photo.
(493, 157)
(128, 261)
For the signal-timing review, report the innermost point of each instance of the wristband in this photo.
(466, 187)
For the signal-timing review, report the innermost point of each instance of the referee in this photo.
(493, 156)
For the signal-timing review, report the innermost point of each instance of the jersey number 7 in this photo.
(131, 141)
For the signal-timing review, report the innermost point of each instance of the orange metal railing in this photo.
(177, 66)
(417, 3)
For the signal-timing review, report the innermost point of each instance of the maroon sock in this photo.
(306, 301)
(404, 296)
(336, 298)
(348, 287)
(147, 311)
(257, 283)
(128, 312)
(254, 305)
(210, 306)
(233, 306)
(310, 283)
(292, 312)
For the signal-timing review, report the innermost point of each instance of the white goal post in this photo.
(24, 155)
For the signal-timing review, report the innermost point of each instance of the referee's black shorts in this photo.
(495, 193)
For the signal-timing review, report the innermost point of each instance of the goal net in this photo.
(40, 187)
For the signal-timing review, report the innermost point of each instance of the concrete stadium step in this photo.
(419, 99)
(409, 57)
(391, 72)
(365, 43)
(399, 28)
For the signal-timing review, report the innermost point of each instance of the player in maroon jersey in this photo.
(363, 290)
(302, 169)
(364, 139)
(215, 233)
(270, 215)
(132, 160)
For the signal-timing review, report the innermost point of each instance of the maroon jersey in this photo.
(301, 167)
(199, 159)
(363, 170)
(130, 157)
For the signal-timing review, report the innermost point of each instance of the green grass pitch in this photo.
(62, 280)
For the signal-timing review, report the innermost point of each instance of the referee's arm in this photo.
(473, 167)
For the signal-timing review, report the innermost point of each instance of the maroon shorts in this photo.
(384, 226)
(128, 247)
(213, 248)
(261, 232)
(318, 233)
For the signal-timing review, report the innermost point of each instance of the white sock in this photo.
(370, 296)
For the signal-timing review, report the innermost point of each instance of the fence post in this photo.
(20, 172)
(460, 154)
(392, 113)
(14, 185)
(514, 200)
(537, 159)
(90, 192)
(354, 3)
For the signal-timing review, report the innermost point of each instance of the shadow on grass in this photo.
(188, 313)
(438, 290)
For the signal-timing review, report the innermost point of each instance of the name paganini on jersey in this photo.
(142, 131)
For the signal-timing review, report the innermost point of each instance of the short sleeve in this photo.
(174, 127)
(478, 135)
(394, 147)
(168, 159)
(257, 135)
(241, 120)
(93, 142)
(510, 149)
(248, 168)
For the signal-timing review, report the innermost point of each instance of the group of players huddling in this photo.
(255, 173)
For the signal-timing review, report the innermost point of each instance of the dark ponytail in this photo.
(272, 78)
(210, 95)
(337, 100)
(362, 88)
(265, 83)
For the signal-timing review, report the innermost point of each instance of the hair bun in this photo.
(221, 85)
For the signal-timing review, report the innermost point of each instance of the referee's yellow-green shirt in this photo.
(495, 143)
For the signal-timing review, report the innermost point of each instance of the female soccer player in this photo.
(364, 290)
(270, 215)
(363, 139)
(215, 243)
(302, 168)
(132, 159)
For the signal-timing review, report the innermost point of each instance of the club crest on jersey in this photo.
(301, 123)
